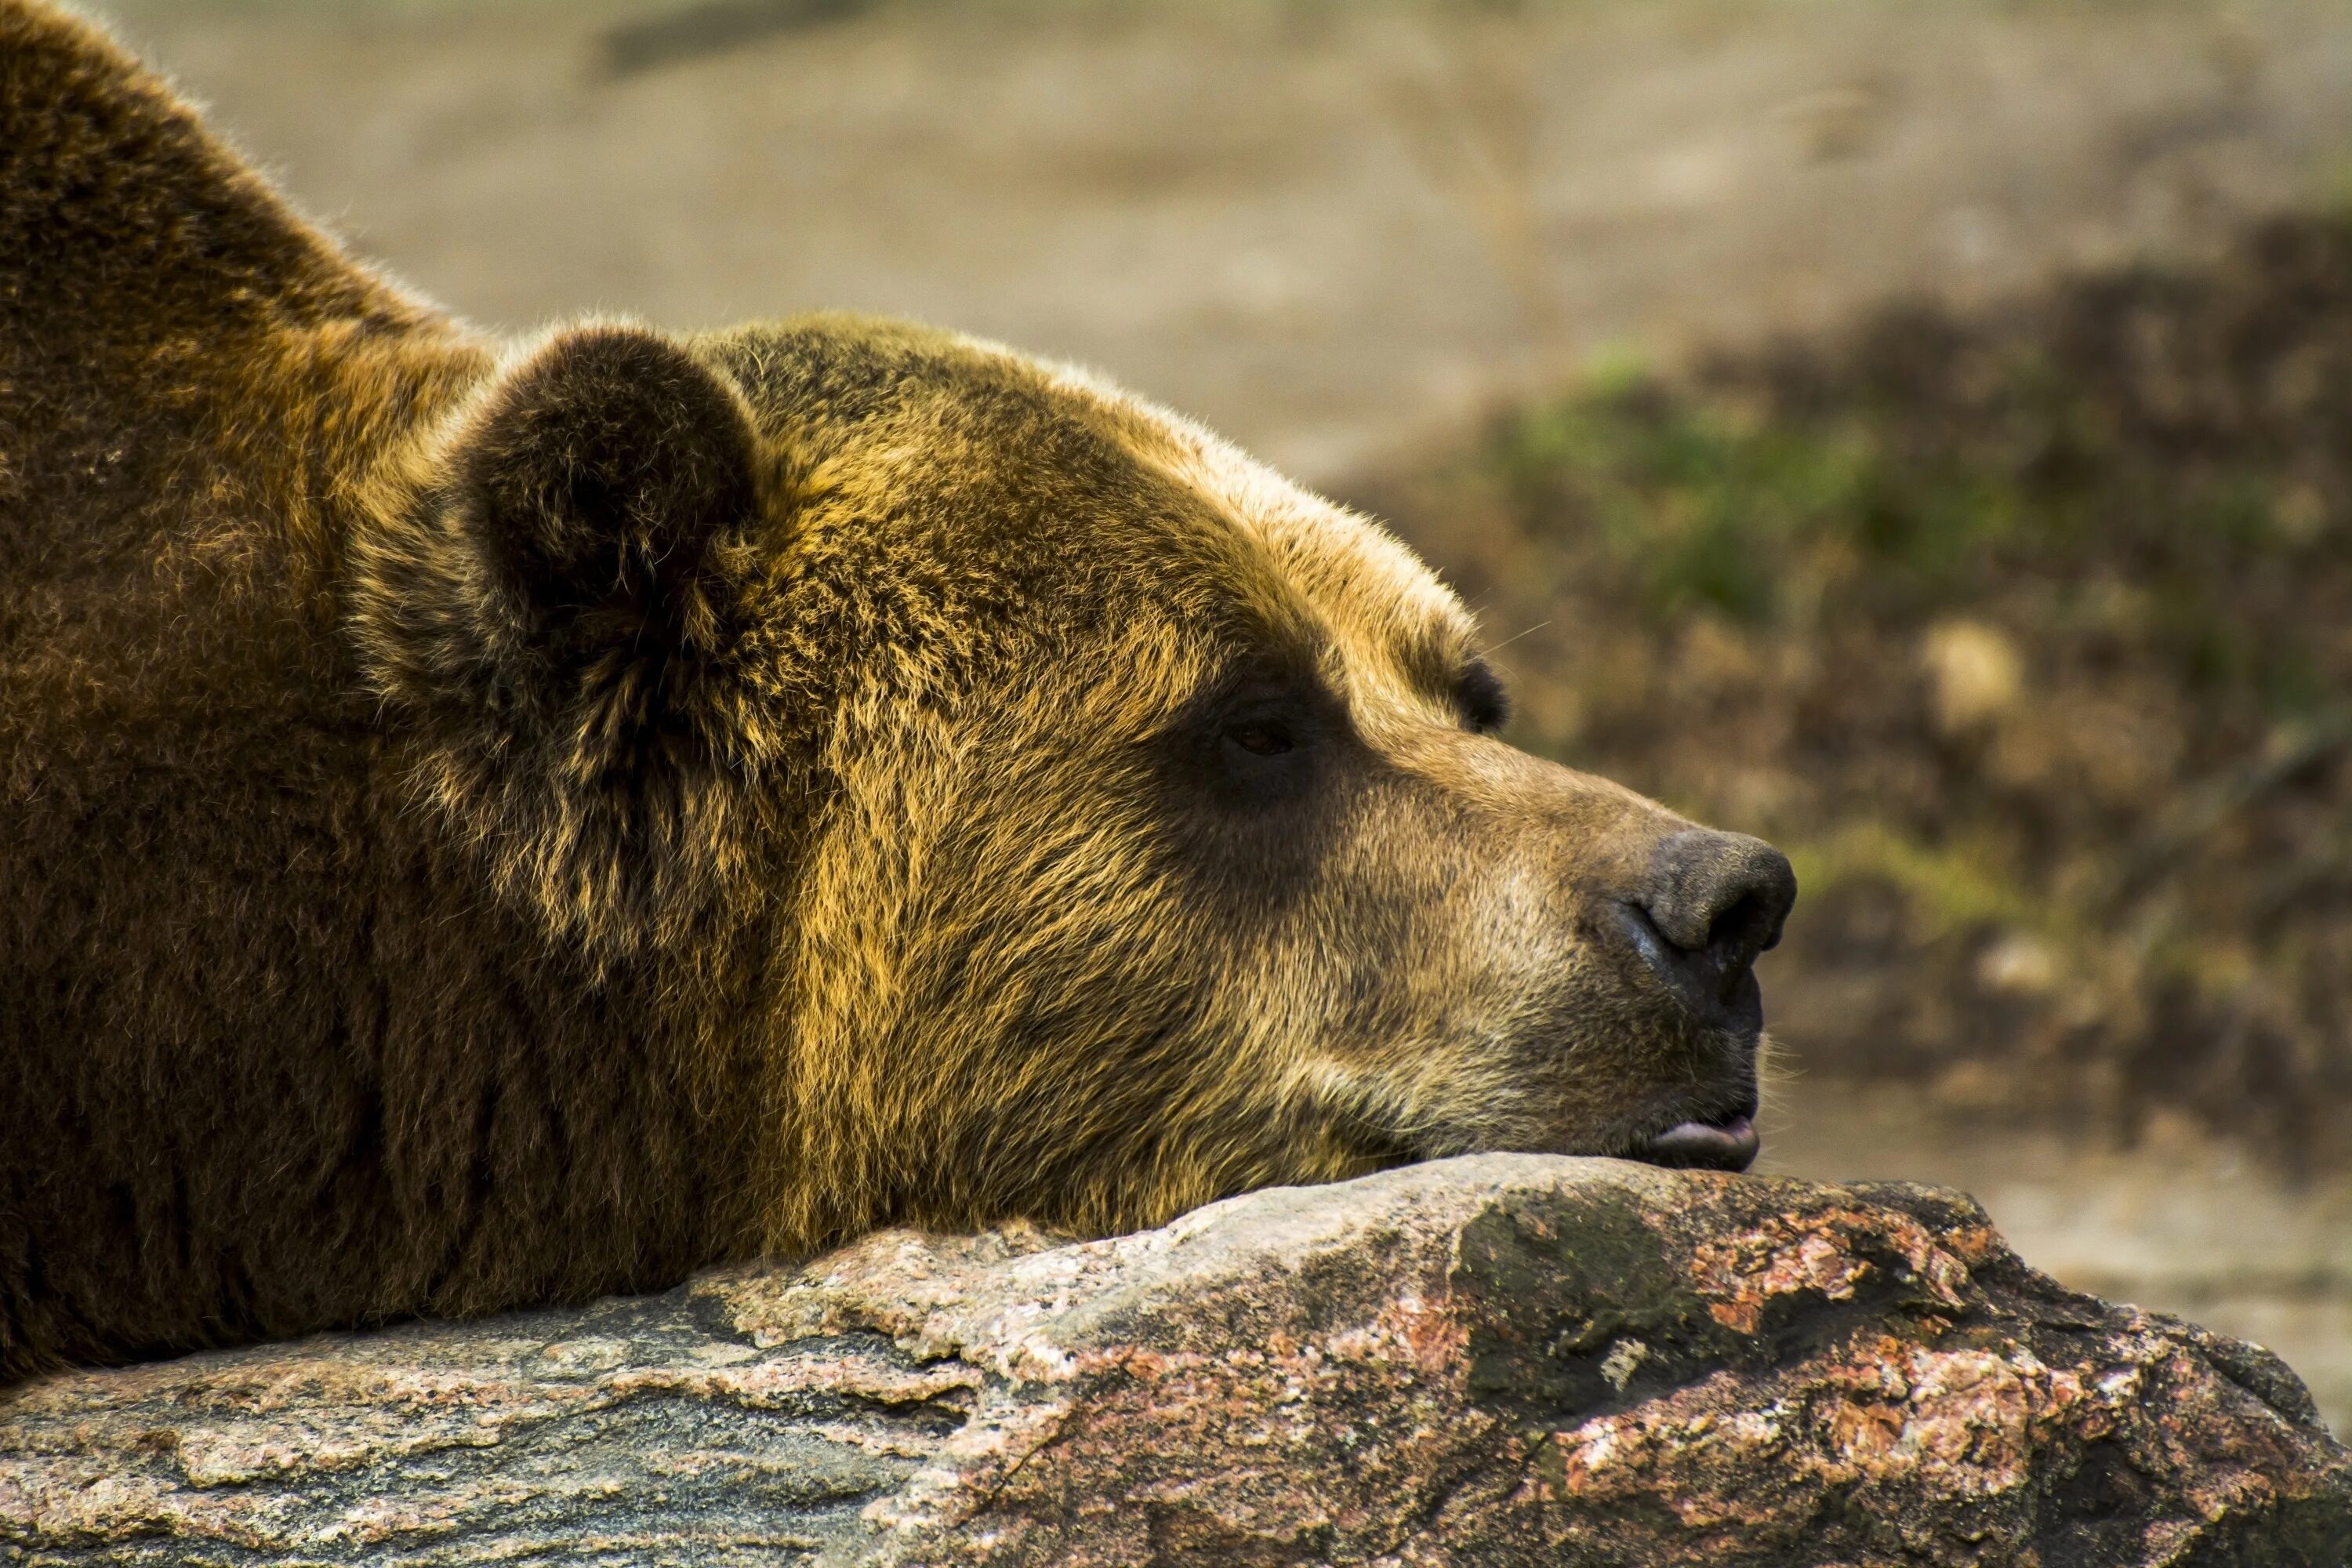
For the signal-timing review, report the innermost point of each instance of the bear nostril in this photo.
(1740, 932)
(1711, 902)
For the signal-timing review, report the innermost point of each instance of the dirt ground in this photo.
(1341, 232)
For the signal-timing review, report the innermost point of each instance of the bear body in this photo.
(208, 876)
(488, 823)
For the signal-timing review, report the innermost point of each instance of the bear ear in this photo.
(593, 485)
(549, 616)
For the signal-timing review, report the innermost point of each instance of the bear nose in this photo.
(1710, 903)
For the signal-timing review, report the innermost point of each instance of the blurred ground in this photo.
(2027, 632)
(1324, 225)
(2021, 617)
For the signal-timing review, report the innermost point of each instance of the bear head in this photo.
(1087, 822)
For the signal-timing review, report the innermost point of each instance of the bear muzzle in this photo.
(1709, 903)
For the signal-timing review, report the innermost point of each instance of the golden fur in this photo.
(489, 824)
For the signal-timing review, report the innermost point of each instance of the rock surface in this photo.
(1500, 1360)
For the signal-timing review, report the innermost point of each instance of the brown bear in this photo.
(484, 823)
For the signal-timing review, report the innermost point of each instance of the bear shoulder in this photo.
(178, 347)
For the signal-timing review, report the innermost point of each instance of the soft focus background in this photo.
(1919, 432)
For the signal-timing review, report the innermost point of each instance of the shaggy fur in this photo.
(492, 823)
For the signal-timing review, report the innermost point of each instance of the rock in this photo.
(1499, 1359)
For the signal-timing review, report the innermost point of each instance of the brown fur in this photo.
(489, 823)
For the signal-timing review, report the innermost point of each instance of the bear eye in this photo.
(1260, 737)
(1485, 704)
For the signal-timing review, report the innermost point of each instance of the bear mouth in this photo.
(1717, 1139)
(1727, 1141)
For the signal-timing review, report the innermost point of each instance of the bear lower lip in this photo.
(1727, 1145)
